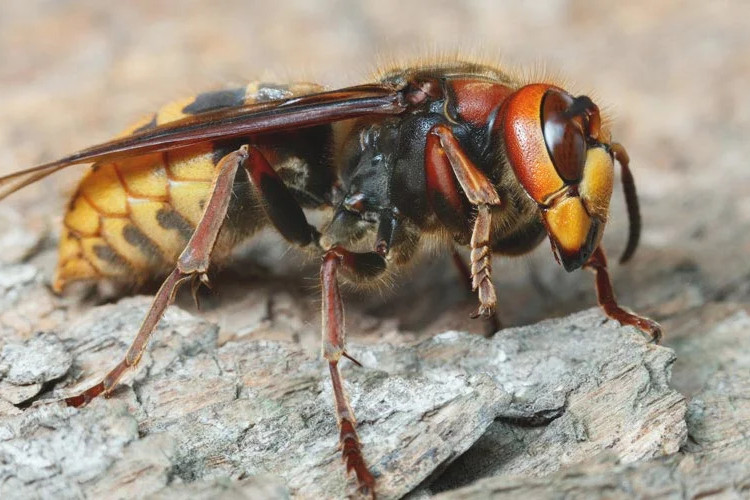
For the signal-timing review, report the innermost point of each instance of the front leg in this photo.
(606, 297)
(493, 323)
(481, 263)
(443, 150)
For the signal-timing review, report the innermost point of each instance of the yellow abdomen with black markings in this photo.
(129, 220)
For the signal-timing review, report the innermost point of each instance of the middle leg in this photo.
(334, 338)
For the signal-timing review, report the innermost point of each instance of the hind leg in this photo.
(283, 212)
(192, 264)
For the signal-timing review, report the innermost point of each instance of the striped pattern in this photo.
(134, 218)
(130, 220)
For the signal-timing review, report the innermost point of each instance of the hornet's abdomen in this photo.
(129, 220)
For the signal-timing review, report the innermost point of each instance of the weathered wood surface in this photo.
(564, 390)
(714, 462)
(674, 78)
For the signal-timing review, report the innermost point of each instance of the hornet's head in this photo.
(565, 163)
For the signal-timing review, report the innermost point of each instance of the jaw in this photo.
(575, 258)
(346, 228)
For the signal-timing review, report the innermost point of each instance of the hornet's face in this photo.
(557, 150)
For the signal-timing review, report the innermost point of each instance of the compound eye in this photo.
(564, 136)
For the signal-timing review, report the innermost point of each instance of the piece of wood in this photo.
(567, 389)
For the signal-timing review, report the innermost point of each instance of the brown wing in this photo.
(285, 114)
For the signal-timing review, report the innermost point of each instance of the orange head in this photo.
(565, 163)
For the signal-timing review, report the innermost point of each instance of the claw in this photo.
(653, 329)
(483, 311)
(351, 453)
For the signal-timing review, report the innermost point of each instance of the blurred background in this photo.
(672, 75)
